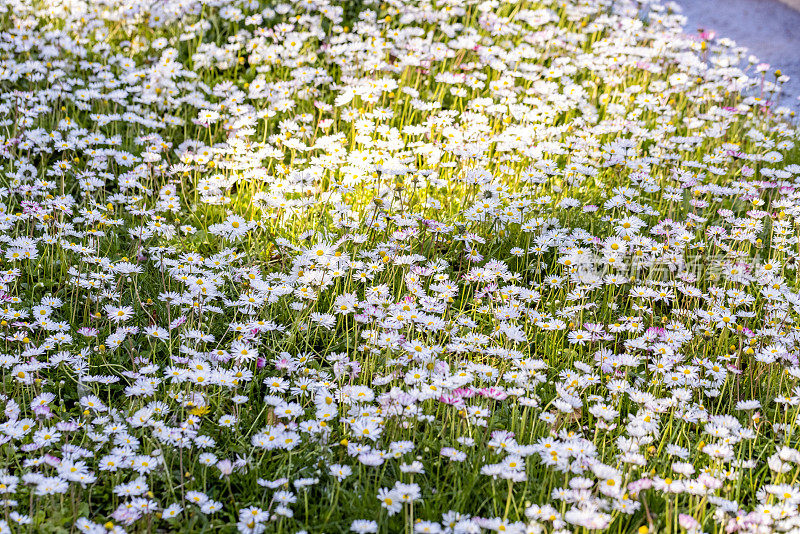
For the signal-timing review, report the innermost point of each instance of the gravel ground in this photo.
(770, 29)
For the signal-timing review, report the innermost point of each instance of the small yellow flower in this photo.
(200, 411)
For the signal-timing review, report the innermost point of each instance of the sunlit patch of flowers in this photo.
(409, 266)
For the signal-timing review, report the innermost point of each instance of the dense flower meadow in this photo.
(419, 266)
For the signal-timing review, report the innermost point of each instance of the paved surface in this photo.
(770, 29)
